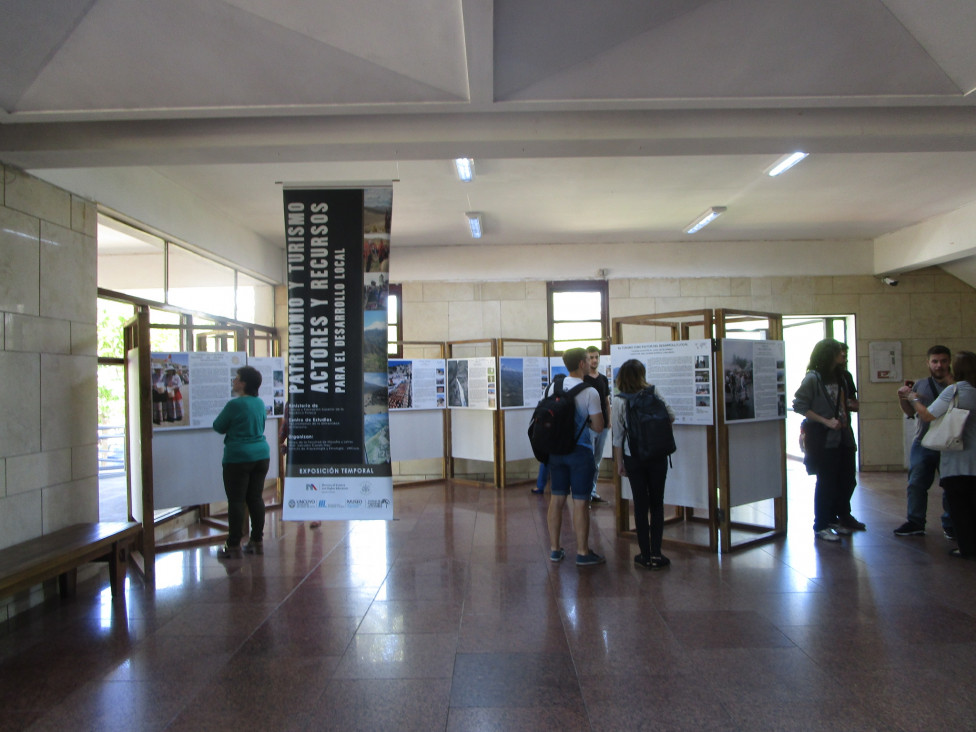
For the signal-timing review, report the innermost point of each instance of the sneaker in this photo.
(595, 498)
(229, 552)
(909, 529)
(849, 522)
(254, 547)
(661, 562)
(587, 560)
(840, 529)
(557, 555)
(641, 561)
(949, 534)
(826, 535)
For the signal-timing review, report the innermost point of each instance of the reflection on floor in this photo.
(452, 617)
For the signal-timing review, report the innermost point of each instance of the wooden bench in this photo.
(60, 553)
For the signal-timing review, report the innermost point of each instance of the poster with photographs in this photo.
(754, 380)
(419, 383)
(190, 389)
(523, 380)
(272, 391)
(680, 370)
(472, 383)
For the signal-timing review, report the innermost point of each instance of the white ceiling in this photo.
(610, 122)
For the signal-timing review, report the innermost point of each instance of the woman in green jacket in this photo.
(246, 460)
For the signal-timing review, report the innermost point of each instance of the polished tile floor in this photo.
(452, 618)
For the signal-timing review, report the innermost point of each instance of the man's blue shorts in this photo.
(573, 472)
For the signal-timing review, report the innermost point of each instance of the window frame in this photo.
(397, 292)
(600, 286)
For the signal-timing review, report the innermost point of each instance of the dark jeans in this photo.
(647, 485)
(832, 496)
(960, 492)
(244, 484)
(922, 465)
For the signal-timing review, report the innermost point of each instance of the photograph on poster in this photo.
(170, 378)
(737, 369)
(398, 383)
(376, 432)
(374, 340)
(376, 249)
(375, 291)
(375, 392)
(512, 381)
(457, 382)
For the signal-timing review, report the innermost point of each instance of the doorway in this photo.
(801, 333)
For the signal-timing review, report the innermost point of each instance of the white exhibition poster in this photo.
(272, 391)
(885, 358)
(523, 380)
(754, 379)
(418, 383)
(472, 383)
(680, 370)
(190, 389)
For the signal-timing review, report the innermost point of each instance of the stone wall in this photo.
(48, 362)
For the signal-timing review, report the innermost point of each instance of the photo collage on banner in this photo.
(338, 252)
(754, 379)
(190, 389)
(419, 383)
(680, 370)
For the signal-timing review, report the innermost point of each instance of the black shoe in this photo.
(641, 561)
(661, 562)
(909, 529)
(949, 534)
(849, 522)
(595, 498)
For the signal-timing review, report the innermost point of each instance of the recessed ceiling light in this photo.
(465, 169)
(785, 163)
(474, 223)
(705, 219)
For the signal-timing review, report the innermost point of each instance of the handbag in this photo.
(945, 432)
(814, 443)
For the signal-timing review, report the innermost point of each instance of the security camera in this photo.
(890, 281)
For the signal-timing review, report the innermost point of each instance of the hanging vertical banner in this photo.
(337, 260)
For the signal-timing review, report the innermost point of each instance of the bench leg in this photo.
(68, 583)
(117, 567)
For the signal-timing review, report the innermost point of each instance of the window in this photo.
(578, 315)
(394, 319)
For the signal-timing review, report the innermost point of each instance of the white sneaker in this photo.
(842, 530)
(826, 535)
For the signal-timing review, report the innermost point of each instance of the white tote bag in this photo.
(945, 432)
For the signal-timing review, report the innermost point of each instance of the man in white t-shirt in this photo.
(573, 473)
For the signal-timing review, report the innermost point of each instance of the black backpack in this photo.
(552, 430)
(649, 433)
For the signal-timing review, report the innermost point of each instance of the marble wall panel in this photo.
(68, 270)
(69, 414)
(20, 403)
(36, 335)
(38, 470)
(20, 262)
(33, 196)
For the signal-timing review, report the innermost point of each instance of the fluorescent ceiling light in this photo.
(474, 223)
(785, 163)
(705, 219)
(465, 169)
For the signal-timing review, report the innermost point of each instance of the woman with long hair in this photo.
(646, 477)
(957, 468)
(821, 399)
